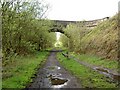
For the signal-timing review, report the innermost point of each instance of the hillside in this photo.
(102, 40)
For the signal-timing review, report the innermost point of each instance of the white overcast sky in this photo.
(77, 10)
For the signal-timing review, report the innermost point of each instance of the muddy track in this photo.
(53, 75)
(113, 75)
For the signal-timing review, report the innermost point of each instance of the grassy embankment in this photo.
(102, 40)
(18, 73)
(88, 77)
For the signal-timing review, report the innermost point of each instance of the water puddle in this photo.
(106, 72)
(56, 81)
(53, 75)
(53, 67)
(101, 70)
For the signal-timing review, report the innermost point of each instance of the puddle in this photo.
(107, 73)
(101, 70)
(50, 68)
(53, 75)
(58, 67)
(56, 81)
(53, 67)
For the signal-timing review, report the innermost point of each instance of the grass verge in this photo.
(91, 59)
(88, 77)
(19, 72)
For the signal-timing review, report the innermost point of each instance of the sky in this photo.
(77, 10)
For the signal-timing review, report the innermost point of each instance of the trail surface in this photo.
(53, 75)
(112, 74)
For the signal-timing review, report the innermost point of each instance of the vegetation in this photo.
(64, 40)
(76, 32)
(88, 77)
(25, 35)
(24, 28)
(101, 41)
(97, 61)
(17, 74)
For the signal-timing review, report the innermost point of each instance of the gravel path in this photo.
(53, 75)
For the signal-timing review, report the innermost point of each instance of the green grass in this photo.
(18, 73)
(57, 48)
(88, 77)
(50, 48)
(91, 59)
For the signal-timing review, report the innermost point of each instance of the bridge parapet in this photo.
(91, 23)
(59, 24)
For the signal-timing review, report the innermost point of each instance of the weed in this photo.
(88, 77)
(18, 73)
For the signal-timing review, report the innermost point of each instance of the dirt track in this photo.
(53, 75)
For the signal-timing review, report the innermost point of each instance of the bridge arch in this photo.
(59, 25)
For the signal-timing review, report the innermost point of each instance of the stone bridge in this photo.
(60, 24)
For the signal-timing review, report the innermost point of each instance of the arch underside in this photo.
(59, 30)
